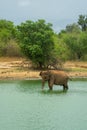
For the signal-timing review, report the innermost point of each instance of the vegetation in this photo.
(38, 41)
(82, 21)
(76, 44)
(8, 39)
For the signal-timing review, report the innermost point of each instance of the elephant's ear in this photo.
(40, 73)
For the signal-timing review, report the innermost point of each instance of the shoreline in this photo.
(30, 79)
(21, 69)
(34, 75)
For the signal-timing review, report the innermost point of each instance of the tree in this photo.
(7, 30)
(83, 45)
(71, 41)
(73, 28)
(77, 44)
(36, 41)
(60, 50)
(8, 39)
(82, 21)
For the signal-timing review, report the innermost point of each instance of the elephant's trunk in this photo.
(43, 85)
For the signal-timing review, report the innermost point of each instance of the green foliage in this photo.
(82, 21)
(83, 45)
(73, 28)
(7, 30)
(8, 43)
(75, 39)
(39, 43)
(36, 41)
(60, 50)
(77, 44)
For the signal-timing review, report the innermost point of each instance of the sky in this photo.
(58, 12)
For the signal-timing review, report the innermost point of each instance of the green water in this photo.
(23, 106)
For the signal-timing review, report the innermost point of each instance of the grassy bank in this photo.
(20, 68)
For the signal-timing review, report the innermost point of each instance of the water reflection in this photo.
(53, 92)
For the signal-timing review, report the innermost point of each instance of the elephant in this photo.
(56, 77)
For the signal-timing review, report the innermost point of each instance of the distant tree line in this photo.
(75, 38)
(38, 42)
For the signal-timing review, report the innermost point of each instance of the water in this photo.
(23, 106)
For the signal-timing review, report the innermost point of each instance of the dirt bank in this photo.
(19, 68)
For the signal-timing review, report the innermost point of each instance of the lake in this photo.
(24, 106)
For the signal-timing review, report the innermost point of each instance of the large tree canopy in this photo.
(36, 41)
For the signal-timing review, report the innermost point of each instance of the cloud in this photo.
(23, 3)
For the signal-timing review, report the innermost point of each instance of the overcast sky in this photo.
(58, 12)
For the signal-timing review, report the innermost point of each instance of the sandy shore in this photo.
(19, 68)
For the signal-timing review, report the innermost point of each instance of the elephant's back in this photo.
(59, 73)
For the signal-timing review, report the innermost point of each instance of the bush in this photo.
(10, 48)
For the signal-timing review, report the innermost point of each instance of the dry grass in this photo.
(16, 68)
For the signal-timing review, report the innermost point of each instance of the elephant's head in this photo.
(45, 75)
